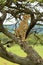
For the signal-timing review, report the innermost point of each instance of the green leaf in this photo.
(2, 2)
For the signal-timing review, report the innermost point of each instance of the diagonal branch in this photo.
(12, 57)
(32, 54)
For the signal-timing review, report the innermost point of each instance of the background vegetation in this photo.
(17, 50)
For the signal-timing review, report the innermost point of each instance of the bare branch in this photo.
(12, 57)
(2, 18)
(32, 56)
(25, 46)
(39, 24)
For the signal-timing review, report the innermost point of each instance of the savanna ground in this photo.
(17, 50)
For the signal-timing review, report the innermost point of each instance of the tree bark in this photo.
(32, 55)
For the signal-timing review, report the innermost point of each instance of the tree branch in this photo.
(32, 54)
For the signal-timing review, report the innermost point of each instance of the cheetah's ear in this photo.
(26, 16)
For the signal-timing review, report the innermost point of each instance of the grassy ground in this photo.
(17, 50)
(39, 49)
(20, 52)
(5, 62)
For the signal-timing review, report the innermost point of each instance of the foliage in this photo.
(6, 6)
(2, 2)
(35, 0)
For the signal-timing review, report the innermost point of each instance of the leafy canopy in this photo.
(4, 1)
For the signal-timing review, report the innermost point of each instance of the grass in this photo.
(39, 49)
(5, 62)
(17, 50)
